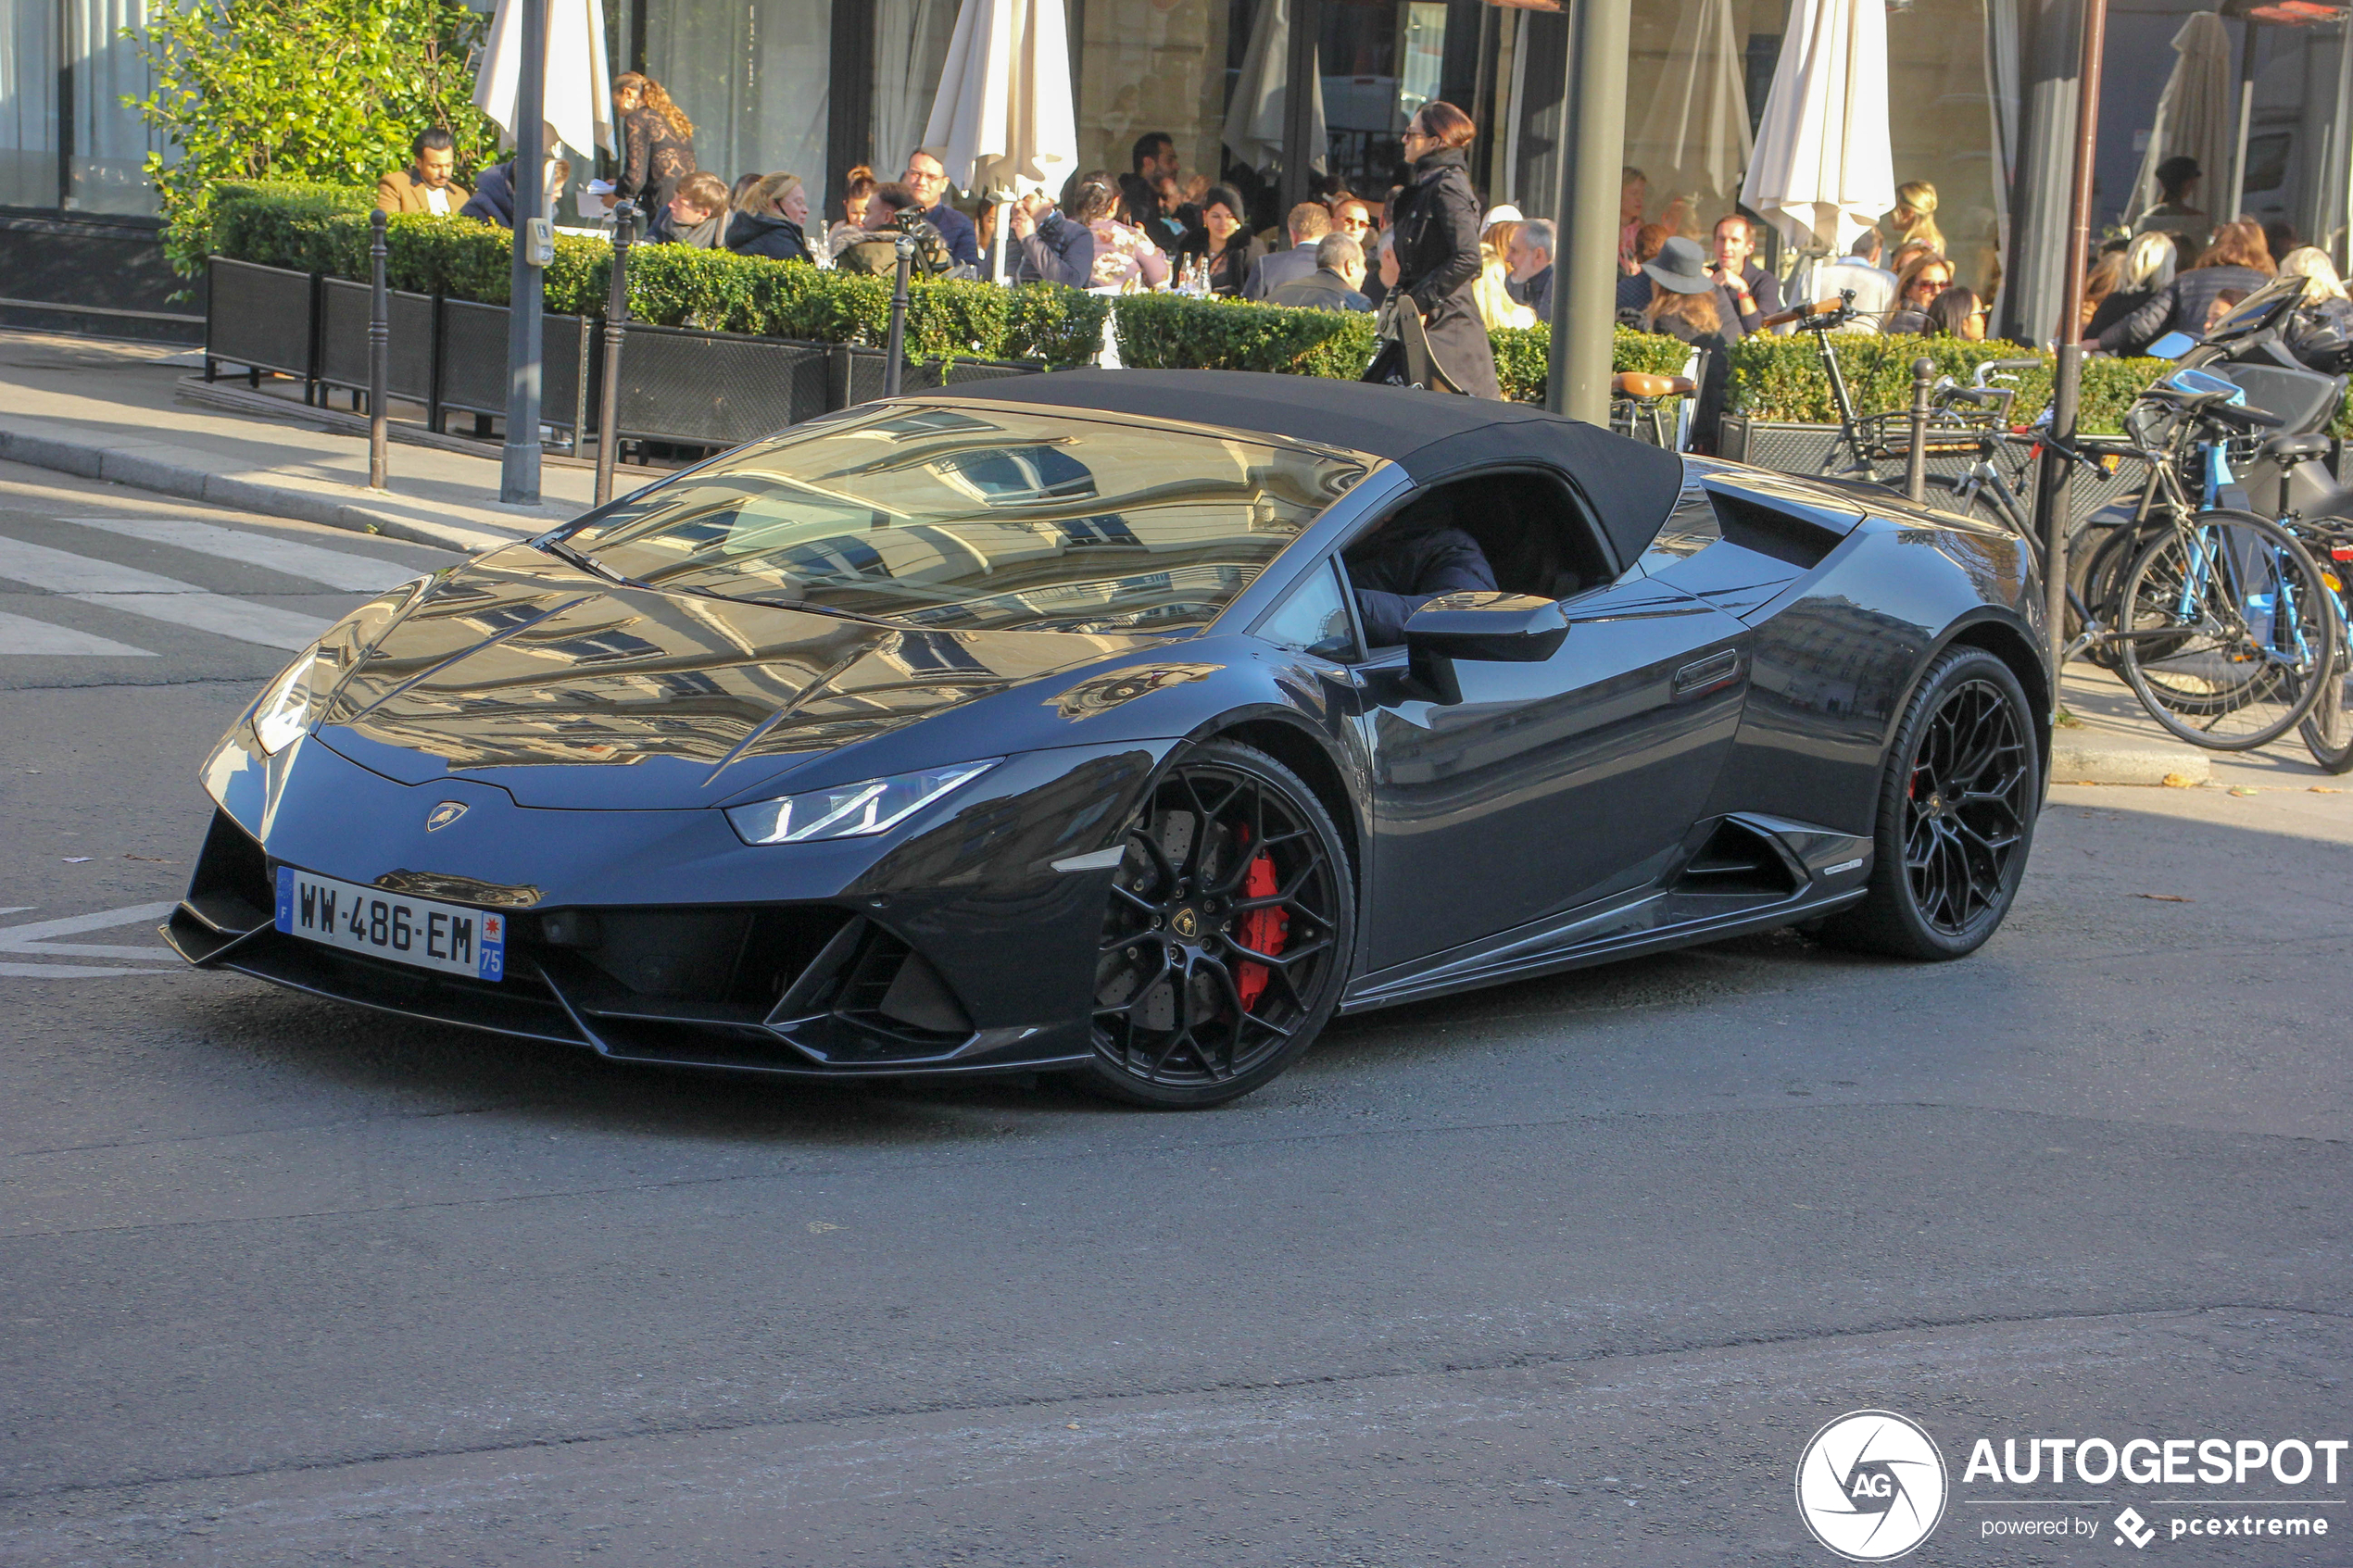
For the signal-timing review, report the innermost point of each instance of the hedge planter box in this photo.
(343, 340)
(717, 389)
(472, 361)
(867, 368)
(261, 317)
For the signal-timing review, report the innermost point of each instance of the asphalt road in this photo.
(1563, 1272)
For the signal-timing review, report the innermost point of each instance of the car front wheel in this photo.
(1226, 938)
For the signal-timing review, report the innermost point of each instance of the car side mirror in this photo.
(1501, 628)
(1494, 628)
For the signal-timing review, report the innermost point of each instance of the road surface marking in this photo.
(134, 591)
(37, 939)
(336, 568)
(20, 634)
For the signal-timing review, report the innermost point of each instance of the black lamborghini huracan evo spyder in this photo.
(1035, 728)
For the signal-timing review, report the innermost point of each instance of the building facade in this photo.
(1269, 94)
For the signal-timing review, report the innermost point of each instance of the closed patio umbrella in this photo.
(1822, 170)
(2196, 115)
(1693, 140)
(1254, 130)
(578, 107)
(1002, 121)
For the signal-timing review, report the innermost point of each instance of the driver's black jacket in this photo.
(1400, 570)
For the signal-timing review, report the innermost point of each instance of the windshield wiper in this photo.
(774, 604)
(583, 560)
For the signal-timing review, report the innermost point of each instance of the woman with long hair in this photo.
(2142, 267)
(1494, 289)
(1125, 257)
(1957, 312)
(768, 220)
(1926, 276)
(1435, 216)
(1231, 247)
(2238, 261)
(1915, 215)
(1686, 303)
(657, 142)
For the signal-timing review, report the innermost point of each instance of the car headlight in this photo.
(283, 711)
(854, 810)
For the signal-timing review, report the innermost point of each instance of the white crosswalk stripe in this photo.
(22, 633)
(336, 568)
(149, 594)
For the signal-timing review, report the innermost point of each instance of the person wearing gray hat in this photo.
(1686, 303)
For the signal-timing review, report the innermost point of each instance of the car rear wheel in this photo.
(1956, 811)
(1226, 938)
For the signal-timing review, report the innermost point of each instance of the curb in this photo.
(193, 483)
(2121, 760)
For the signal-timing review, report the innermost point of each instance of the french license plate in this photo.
(449, 938)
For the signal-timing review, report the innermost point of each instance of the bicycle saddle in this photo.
(2292, 449)
(1634, 383)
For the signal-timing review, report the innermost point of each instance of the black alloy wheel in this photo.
(1226, 939)
(1958, 802)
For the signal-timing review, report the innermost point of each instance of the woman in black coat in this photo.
(1435, 217)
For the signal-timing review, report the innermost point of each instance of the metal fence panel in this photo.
(343, 339)
(867, 368)
(260, 316)
(718, 389)
(474, 363)
(1801, 449)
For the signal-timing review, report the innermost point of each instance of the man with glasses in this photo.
(1351, 216)
(927, 176)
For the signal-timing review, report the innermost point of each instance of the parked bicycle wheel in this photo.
(2097, 562)
(2328, 729)
(2225, 634)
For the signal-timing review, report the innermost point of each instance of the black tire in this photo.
(2203, 659)
(1947, 863)
(2327, 730)
(1220, 962)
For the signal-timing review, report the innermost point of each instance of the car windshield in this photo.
(960, 517)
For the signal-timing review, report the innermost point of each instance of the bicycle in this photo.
(2327, 729)
(2217, 621)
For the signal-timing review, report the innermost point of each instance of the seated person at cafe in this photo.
(1338, 282)
(424, 185)
(1416, 555)
(494, 199)
(697, 216)
(895, 209)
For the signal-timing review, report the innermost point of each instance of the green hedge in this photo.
(1781, 378)
(317, 229)
(1161, 332)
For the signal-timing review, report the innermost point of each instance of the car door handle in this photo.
(1704, 675)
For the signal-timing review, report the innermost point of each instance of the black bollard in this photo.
(1916, 456)
(895, 356)
(379, 358)
(616, 328)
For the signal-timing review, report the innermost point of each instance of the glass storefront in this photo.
(89, 159)
(752, 75)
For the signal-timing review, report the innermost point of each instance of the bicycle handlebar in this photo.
(1804, 310)
(2243, 416)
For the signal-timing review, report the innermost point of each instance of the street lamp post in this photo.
(1585, 269)
(519, 467)
(2067, 381)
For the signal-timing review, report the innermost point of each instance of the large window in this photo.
(752, 75)
(90, 157)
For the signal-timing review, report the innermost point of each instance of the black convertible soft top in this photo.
(1630, 484)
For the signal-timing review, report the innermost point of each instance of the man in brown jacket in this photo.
(424, 185)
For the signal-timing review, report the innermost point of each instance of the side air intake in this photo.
(1738, 861)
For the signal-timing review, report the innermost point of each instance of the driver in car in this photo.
(1412, 561)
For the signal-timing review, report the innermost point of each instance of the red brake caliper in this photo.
(1262, 931)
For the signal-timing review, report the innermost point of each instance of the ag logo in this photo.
(444, 814)
(1870, 1486)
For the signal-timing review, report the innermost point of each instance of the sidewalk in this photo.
(109, 410)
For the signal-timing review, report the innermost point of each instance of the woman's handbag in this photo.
(1405, 359)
